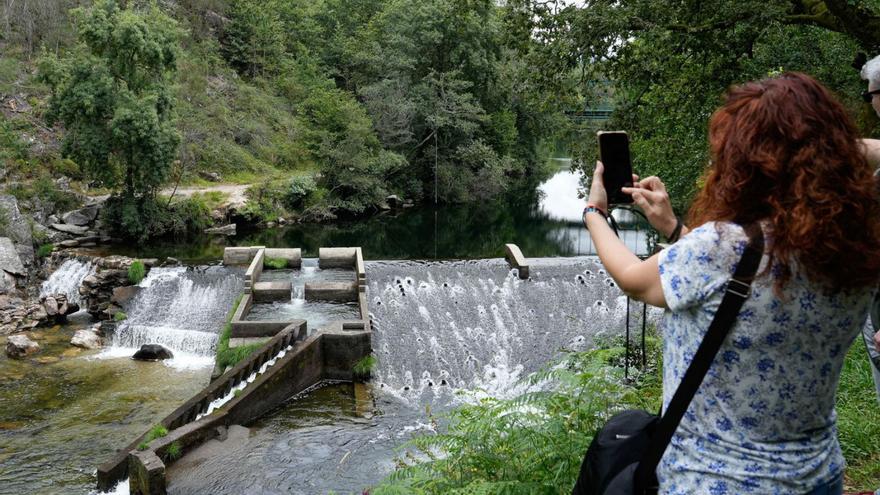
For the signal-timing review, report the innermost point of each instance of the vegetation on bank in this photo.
(535, 442)
(532, 443)
(336, 103)
(136, 272)
(230, 356)
(668, 76)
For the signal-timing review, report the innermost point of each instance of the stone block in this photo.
(272, 291)
(337, 257)
(239, 255)
(292, 255)
(147, 473)
(331, 291)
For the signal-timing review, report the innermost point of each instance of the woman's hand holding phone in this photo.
(598, 195)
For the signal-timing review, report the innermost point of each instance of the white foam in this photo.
(181, 361)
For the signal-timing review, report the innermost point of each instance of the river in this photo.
(66, 410)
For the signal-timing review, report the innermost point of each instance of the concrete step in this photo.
(271, 291)
(331, 291)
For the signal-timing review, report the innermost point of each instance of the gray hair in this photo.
(871, 70)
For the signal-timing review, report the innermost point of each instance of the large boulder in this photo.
(18, 228)
(153, 352)
(19, 346)
(121, 295)
(10, 261)
(87, 339)
(81, 217)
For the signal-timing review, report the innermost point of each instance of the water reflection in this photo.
(544, 221)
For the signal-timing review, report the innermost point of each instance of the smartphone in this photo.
(614, 153)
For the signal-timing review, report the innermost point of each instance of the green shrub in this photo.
(299, 190)
(136, 272)
(45, 189)
(45, 250)
(120, 316)
(275, 263)
(364, 367)
(174, 450)
(155, 432)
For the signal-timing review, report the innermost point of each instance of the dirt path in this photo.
(234, 192)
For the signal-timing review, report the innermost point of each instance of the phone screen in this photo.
(614, 153)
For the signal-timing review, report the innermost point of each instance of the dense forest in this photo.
(330, 106)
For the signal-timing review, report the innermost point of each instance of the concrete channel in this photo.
(288, 363)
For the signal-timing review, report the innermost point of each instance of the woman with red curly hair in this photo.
(785, 156)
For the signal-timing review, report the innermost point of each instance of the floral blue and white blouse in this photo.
(763, 421)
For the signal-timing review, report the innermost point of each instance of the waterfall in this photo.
(67, 279)
(475, 325)
(182, 308)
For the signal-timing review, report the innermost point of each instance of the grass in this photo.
(230, 356)
(858, 421)
(45, 250)
(136, 272)
(120, 316)
(174, 450)
(155, 432)
(364, 367)
(275, 263)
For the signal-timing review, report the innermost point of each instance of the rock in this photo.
(393, 200)
(87, 339)
(53, 218)
(224, 230)
(122, 295)
(51, 305)
(383, 206)
(282, 221)
(152, 352)
(169, 261)
(90, 238)
(70, 243)
(19, 346)
(271, 225)
(210, 176)
(97, 289)
(81, 217)
(70, 229)
(106, 328)
(48, 359)
(408, 205)
(10, 262)
(18, 229)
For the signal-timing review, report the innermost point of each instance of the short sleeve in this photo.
(699, 264)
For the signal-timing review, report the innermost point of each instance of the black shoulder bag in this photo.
(624, 454)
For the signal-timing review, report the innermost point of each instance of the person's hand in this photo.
(877, 341)
(650, 195)
(598, 197)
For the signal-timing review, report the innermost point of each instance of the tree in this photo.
(253, 40)
(669, 63)
(113, 97)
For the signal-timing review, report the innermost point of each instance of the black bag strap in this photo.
(737, 291)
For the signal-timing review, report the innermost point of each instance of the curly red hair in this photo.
(785, 151)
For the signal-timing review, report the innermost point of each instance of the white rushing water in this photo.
(181, 308)
(474, 325)
(67, 280)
